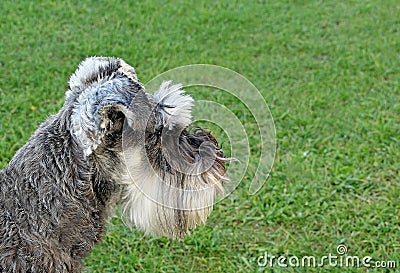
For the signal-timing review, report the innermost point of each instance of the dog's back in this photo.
(48, 212)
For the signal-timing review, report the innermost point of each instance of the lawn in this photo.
(328, 70)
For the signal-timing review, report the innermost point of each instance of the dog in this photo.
(112, 144)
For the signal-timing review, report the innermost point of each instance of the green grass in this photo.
(329, 70)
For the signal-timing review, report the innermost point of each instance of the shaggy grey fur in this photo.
(61, 187)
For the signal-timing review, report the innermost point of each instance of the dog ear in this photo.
(100, 109)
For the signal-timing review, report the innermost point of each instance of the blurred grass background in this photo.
(329, 71)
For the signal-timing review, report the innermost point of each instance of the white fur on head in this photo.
(174, 106)
(87, 68)
(92, 68)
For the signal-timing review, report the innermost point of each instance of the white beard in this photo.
(160, 205)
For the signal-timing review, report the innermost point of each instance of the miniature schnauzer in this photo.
(111, 144)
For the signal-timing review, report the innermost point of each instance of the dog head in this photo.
(171, 172)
